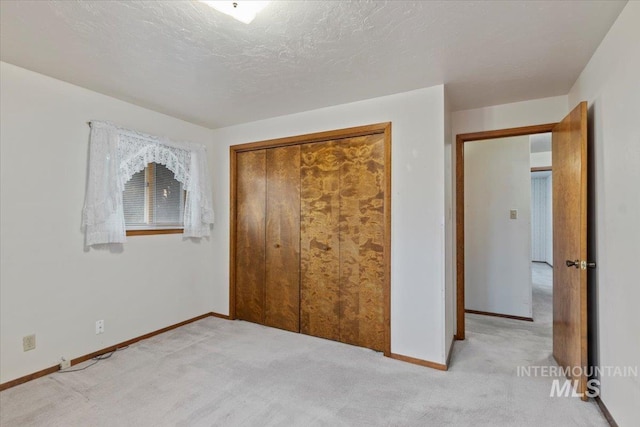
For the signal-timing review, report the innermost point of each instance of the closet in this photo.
(310, 235)
(268, 237)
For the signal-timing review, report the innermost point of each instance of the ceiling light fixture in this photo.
(243, 11)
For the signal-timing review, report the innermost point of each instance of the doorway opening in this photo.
(460, 211)
(508, 228)
(542, 229)
(570, 221)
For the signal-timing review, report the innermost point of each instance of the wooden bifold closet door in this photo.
(250, 235)
(310, 239)
(268, 237)
(342, 241)
(282, 258)
(320, 240)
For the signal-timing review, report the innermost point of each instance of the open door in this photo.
(569, 159)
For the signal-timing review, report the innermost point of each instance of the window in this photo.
(156, 203)
(153, 200)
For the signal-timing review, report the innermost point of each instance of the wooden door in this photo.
(362, 184)
(569, 152)
(310, 232)
(342, 293)
(250, 235)
(282, 253)
(319, 240)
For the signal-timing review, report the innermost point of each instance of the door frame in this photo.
(373, 129)
(459, 204)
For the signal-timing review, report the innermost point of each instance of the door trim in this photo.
(542, 169)
(373, 129)
(504, 316)
(459, 168)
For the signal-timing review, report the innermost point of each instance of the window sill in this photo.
(159, 231)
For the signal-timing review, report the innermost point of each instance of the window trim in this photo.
(156, 231)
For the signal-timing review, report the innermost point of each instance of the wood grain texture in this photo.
(323, 327)
(362, 273)
(320, 245)
(569, 159)
(250, 236)
(282, 266)
(459, 204)
(233, 212)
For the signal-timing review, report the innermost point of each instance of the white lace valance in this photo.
(115, 155)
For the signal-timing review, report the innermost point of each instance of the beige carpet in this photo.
(217, 372)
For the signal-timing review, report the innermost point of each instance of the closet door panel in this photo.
(250, 235)
(282, 303)
(319, 227)
(362, 242)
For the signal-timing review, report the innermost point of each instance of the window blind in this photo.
(153, 199)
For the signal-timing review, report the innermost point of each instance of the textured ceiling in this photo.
(187, 60)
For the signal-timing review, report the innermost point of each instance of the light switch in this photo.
(513, 214)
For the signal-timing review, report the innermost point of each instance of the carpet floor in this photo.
(218, 372)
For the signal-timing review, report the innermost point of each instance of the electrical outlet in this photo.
(64, 363)
(99, 327)
(513, 214)
(29, 342)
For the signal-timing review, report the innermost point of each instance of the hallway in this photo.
(498, 347)
(508, 343)
(542, 277)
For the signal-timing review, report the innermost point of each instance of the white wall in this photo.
(417, 242)
(611, 84)
(541, 159)
(49, 285)
(450, 308)
(525, 113)
(498, 248)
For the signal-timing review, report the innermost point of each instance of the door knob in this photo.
(277, 245)
(575, 263)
